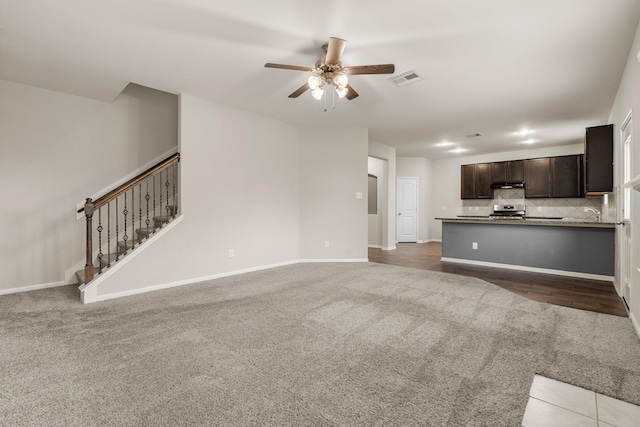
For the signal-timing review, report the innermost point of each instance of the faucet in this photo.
(595, 211)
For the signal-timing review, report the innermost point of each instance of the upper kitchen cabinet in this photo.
(537, 177)
(483, 181)
(468, 182)
(476, 181)
(507, 172)
(598, 160)
(566, 176)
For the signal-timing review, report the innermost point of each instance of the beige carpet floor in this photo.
(311, 344)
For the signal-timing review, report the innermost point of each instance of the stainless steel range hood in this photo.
(507, 184)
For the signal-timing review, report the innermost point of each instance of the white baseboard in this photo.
(435, 240)
(375, 246)
(617, 287)
(635, 324)
(98, 298)
(389, 248)
(89, 294)
(314, 260)
(530, 269)
(31, 288)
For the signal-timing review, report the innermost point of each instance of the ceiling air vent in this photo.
(406, 78)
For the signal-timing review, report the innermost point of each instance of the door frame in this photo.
(623, 223)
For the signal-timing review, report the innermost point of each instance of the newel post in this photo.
(88, 267)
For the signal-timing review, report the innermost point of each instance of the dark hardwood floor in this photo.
(592, 295)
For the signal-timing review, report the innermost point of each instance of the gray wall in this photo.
(264, 188)
(333, 168)
(55, 150)
(577, 249)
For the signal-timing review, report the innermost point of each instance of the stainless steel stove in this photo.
(508, 212)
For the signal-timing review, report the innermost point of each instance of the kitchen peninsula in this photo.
(575, 247)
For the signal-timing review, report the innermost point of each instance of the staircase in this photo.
(123, 248)
(128, 216)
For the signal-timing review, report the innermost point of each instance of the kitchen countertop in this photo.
(554, 222)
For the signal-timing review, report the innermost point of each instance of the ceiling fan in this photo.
(329, 71)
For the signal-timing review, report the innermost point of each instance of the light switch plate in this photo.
(358, 195)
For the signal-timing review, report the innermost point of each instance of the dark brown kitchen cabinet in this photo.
(512, 171)
(483, 181)
(468, 182)
(566, 176)
(537, 177)
(515, 170)
(598, 160)
(476, 181)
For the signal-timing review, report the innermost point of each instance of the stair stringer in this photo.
(89, 291)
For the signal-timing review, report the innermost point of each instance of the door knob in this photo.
(399, 213)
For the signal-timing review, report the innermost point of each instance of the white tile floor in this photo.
(554, 403)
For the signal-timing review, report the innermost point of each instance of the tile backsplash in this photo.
(565, 208)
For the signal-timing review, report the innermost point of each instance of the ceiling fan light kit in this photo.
(331, 72)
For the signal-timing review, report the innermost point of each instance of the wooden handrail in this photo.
(121, 189)
(91, 206)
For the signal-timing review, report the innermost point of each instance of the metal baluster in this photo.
(108, 234)
(133, 217)
(160, 191)
(117, 231)
(154, 199)
(100, 255)
(166, 184)
(147, 197)
(125, 237)
(175, 204)
(140, 205)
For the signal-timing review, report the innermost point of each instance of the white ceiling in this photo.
(489, 66)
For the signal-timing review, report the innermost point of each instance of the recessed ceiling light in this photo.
(444, 144)
(530, 141)
(524, 132)
(458, 150)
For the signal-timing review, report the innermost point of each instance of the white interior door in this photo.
(407, 195)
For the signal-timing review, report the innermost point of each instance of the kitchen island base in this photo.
(583, 251)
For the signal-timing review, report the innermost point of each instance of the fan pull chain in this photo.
(325, 102)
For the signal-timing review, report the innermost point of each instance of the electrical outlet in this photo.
(326, 243)
(539, 208)
(474, 245)
(231, 253)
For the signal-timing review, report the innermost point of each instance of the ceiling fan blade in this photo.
(351, 93)
(288, 67)
(334, 50)
(302, 89)
(370, 69)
